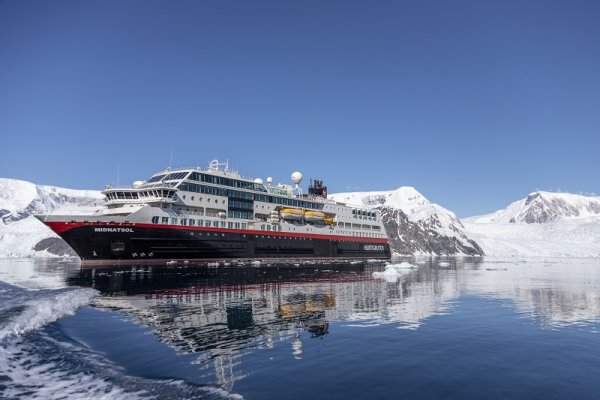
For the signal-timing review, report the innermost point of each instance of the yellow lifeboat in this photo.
(328, 221)
(291, 213)
(314, 216)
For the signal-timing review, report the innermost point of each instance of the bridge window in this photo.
(155, 178)
(155, 220)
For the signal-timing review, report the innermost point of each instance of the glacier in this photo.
(544, 224)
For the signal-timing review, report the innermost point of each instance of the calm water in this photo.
(439, 329)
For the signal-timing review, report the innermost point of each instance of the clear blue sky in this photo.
(474, 103)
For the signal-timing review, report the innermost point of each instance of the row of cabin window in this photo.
(193, 187)
(219, 180)
(347, 225)
(295, 203)
(367, 234)
(233, 225)
(208, 199)
(361, 217)
(137, 195)
(363, 213)
(274, 228)
(240, 214)
(198, 222)
(240, 205)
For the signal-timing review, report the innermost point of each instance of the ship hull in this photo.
(114, 244)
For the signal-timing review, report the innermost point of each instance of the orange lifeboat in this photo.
(291, 213)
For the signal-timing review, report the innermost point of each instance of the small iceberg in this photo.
(393, 271)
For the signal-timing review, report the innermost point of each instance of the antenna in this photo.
(171, 159)
(118, 173)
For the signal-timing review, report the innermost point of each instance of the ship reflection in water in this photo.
(199, 309)
(224, 314)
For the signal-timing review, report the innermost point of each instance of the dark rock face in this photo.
(5, 215)
(55, 246)
(408, 237)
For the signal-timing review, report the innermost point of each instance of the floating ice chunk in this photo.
(393, 271)
(444, 264)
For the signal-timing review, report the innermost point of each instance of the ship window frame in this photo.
(156, 178)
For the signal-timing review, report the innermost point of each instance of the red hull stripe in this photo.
(61, 227)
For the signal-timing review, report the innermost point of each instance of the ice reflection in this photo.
(37, 274)
(557, 293)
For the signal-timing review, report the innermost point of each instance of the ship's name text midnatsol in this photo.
(373, 247)
(114, 230)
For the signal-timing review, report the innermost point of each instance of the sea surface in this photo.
(457, 328)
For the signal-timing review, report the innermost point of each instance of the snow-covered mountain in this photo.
(543, 224)
(542, 207)
(21, 235)
(414, 224)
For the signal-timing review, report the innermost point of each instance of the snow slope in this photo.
(21, 235)
(544, 224)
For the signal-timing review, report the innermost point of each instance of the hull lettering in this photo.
(113, 230)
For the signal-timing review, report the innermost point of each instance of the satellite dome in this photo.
(269, 180)
(137, 184)
(296, 177)
(259, 181)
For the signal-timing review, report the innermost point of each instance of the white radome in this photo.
(296, 177)
(269, 180)
(137, 184)
(259, 181)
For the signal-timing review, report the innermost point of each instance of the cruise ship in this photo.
(213, 214)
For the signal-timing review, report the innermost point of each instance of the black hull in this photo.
(148, 244)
